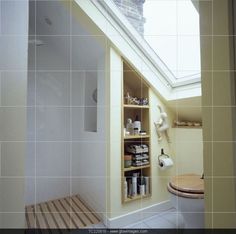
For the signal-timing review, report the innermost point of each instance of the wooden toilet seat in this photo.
(187, 185)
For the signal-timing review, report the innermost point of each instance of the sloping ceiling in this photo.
(188, 109)
(52, 27)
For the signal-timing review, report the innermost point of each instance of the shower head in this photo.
(36, 42)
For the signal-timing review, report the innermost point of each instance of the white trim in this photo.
(137, 215)
(186, 91)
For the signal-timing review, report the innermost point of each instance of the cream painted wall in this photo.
(159, 178)
(13, 69)
(185, 148)
(188, 151)
(217, 99)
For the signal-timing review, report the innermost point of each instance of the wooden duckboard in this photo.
(64, 213)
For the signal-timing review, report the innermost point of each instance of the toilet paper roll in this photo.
(165, 163)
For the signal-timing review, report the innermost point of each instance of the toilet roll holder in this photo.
(162, 155)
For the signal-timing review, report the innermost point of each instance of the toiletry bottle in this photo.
(142, 187)
(130, 188)
(130, 126)
(142, 190)
(136, 131)
(134, 185)
(125, 189)
(137, 124)
(146, 182)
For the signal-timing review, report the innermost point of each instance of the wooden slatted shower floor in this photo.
(67, 213)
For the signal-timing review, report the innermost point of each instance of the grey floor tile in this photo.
(167, 220)
(158, 222)
(174, 218)
(139, 225)
(100, 225)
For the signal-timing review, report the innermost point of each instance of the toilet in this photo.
(187, 196)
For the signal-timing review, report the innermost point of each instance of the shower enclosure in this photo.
(53, 140)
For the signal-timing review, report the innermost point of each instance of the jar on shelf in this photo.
(127, 161)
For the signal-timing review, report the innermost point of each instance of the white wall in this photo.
(48, 132)
(90, 111)
(13, 74)
(63, 148)
(89, 150)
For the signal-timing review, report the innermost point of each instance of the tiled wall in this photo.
(13, 77)
(62, 158)
(59, 147)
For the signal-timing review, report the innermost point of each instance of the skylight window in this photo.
(171, 28)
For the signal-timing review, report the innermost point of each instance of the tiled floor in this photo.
(168, 219)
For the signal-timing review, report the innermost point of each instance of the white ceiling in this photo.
(83, 49)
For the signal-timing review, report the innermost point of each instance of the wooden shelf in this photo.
(138, 197)
(136, 168)
(136, 137)
(135, 106)
(189, 127)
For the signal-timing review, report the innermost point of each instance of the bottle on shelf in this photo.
(127, 161)
(130, 192)
(137, 124)
(129, 126)
(134, 185)
(125, 189)
(142, 186)
(146, 182)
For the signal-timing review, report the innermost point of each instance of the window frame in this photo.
(114, 12)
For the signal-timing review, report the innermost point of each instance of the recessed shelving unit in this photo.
(135, 85)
